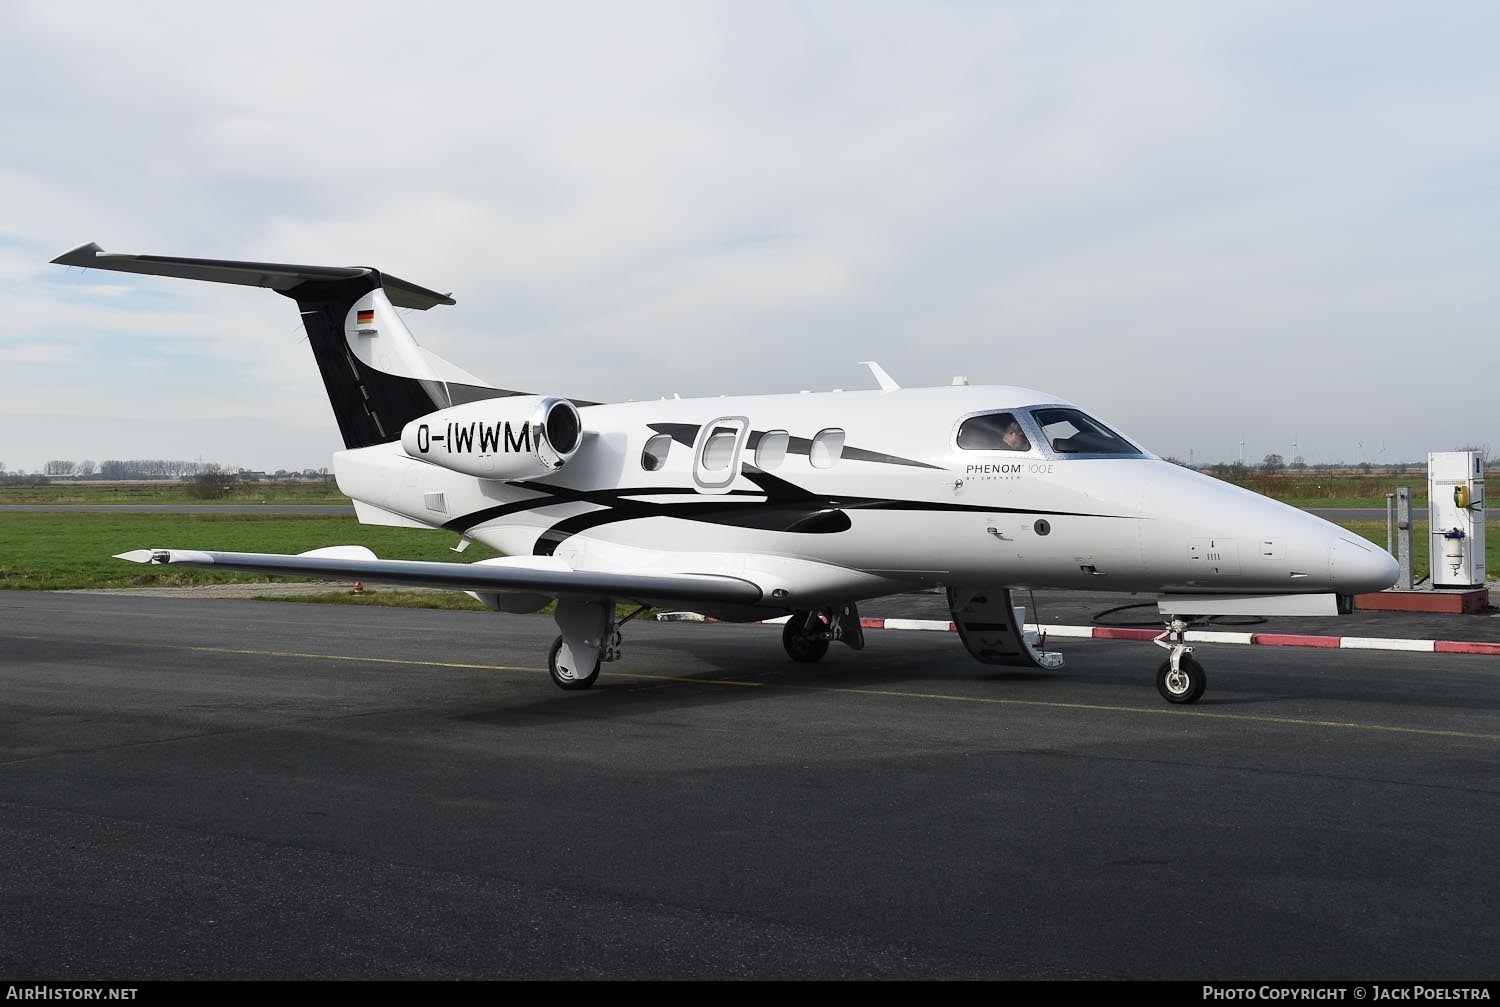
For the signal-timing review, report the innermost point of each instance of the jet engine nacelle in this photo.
(519, 437)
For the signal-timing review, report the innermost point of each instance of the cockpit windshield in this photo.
(1071, 432)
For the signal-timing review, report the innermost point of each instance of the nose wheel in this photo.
(1182, 684)
(1180, 679)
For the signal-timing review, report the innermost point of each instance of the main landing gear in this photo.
(590, 637)
(807, 635)
(566, 675)
(1180, 679)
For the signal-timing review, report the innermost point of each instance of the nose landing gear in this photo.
(1180, 679)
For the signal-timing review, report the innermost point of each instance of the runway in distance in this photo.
(752, 507)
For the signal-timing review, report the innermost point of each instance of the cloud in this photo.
(31, 353)
(1188, 217)
(109, 290)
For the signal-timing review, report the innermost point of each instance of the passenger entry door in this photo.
(716, 454)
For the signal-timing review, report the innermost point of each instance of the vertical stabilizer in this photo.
(377, 376)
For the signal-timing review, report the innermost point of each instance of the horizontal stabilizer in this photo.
(279, 276)
(540, 575)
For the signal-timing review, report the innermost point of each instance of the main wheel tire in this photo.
(1185, 685)
(566, 679)
(801, 645)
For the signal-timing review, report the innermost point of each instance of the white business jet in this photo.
(748, 508)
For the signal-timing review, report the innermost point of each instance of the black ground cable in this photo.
(1098, 618)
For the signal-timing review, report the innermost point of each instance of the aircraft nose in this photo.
(1358, 567)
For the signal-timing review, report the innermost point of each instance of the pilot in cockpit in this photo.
(1015, 438)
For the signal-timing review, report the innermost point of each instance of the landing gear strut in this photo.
(590, 637)
(807, 634)
(1180, 679)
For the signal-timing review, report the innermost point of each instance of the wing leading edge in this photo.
(505, 574)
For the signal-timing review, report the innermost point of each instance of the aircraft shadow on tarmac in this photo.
(699, 671)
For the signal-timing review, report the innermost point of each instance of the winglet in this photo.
(887, 383)
(83, 255)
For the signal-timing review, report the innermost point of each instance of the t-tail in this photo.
(377, 376)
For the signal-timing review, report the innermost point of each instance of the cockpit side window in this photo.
(993, 432)
(1071, 432)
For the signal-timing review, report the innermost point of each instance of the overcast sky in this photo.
(1202, 221)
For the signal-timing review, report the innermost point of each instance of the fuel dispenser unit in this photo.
(1455, 495)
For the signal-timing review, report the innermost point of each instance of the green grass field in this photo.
(390, 597)
(51, 551)
(1336, 491)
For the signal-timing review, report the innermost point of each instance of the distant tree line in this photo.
(1276, 465)
(155, 468)
(206, 479)
(147, 468)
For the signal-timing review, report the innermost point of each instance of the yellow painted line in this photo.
(399, 662)
(284, 653)
(1163, 711)
(343, 657)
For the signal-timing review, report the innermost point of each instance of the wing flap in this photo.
(534, 574)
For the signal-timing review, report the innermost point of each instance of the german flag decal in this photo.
(365, 318)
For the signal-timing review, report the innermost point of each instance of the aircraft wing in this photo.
(530, 574)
